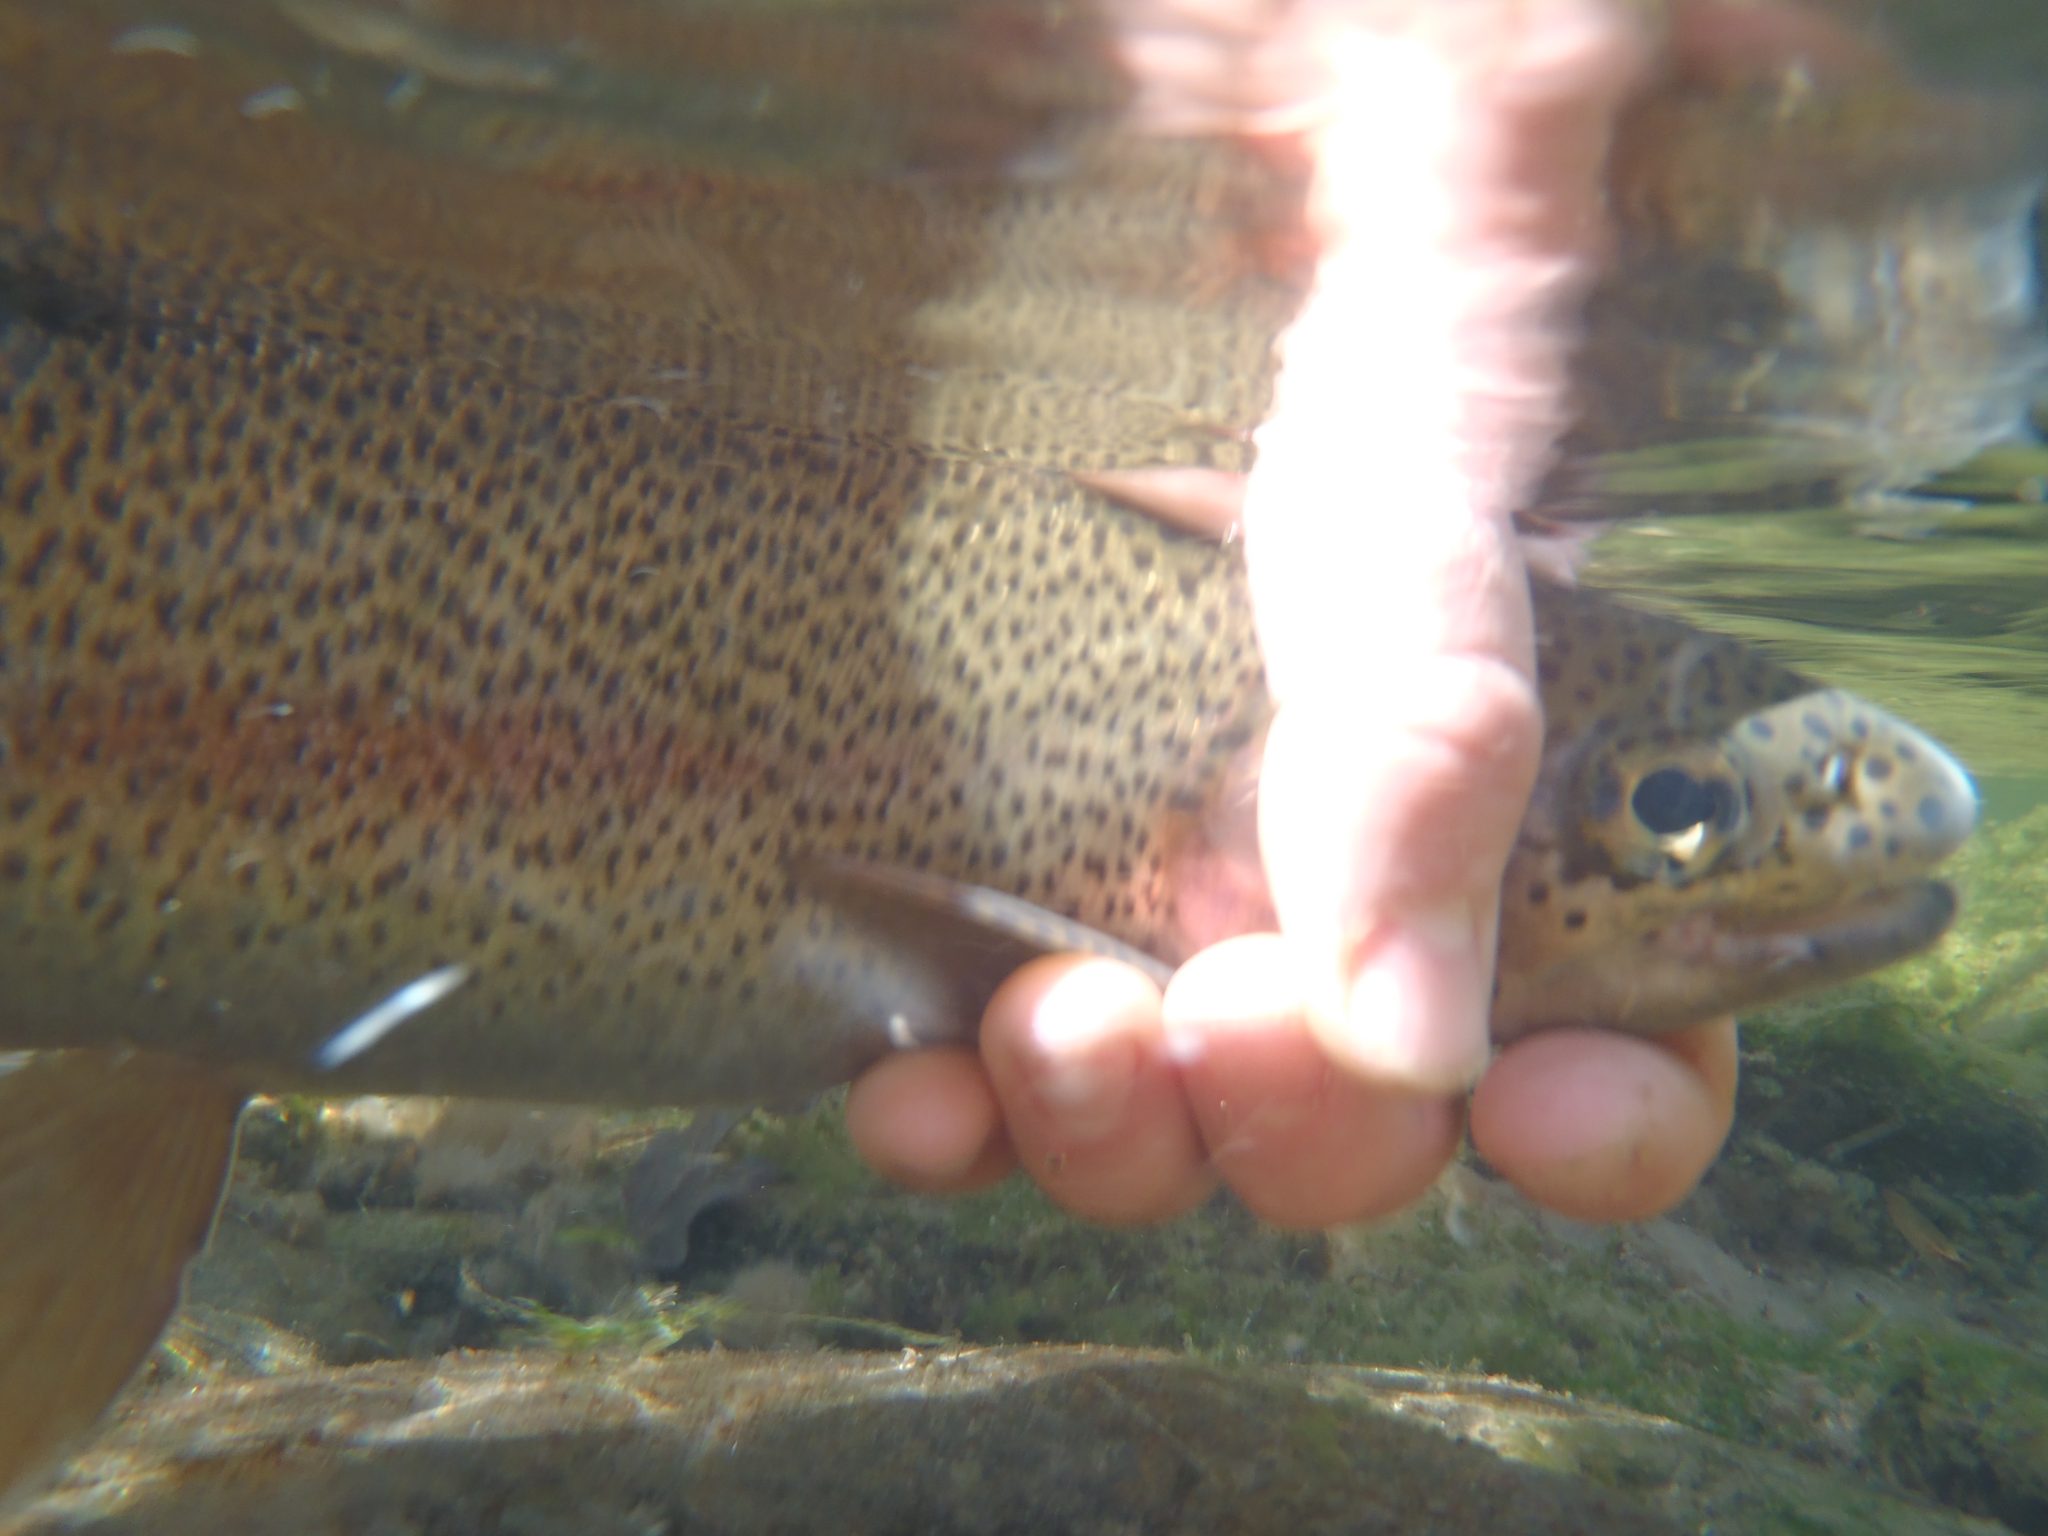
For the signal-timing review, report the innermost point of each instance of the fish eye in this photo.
(1670, 802)
(1663, 811)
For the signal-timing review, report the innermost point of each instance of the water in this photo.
(853, 221)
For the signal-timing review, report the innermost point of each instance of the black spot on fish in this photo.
(1932, 812)
(1539, 893)
(1907, 753)
(35, 290)
(1816, 817)
(1877, 768)
(1762, 729)
(1574, 920)
(1859, 838)
(1815, 722)
(1231, 738)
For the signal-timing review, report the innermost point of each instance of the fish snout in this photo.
(1877, 798)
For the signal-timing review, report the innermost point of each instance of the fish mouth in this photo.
(1711, 964)
(1771, 959)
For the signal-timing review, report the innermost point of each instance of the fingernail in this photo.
(1086, 1059)
(1417, 1008)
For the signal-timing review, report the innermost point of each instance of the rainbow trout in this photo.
(390, 702)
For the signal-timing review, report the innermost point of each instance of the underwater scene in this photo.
(565, 589)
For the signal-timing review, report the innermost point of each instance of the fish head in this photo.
(1711, 831)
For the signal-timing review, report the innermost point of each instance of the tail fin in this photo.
(111, 1169)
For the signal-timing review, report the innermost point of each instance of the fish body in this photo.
(365, 670)
(321, 674)
(380, 724)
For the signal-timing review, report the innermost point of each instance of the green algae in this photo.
(1936, 1070)
(1001, 1267)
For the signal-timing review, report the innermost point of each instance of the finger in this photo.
(1397, 634)
(929, 1121)
(1384, 837)
(1218, 67)
(1603, 1127)
(1076, 1058)
(1302, 1144)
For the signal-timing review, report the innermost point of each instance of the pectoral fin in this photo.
(111, 1169)
(962, 939)
(1208, 503)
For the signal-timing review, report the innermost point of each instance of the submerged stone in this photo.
(1040, 1439)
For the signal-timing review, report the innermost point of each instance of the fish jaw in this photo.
(1704, 966)
(1812, 867)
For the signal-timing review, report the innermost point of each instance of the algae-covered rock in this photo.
(1072, 1440)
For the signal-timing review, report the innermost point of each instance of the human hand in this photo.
(1322, 1072)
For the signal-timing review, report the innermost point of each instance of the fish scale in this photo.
(352, 671)
(322, 672)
